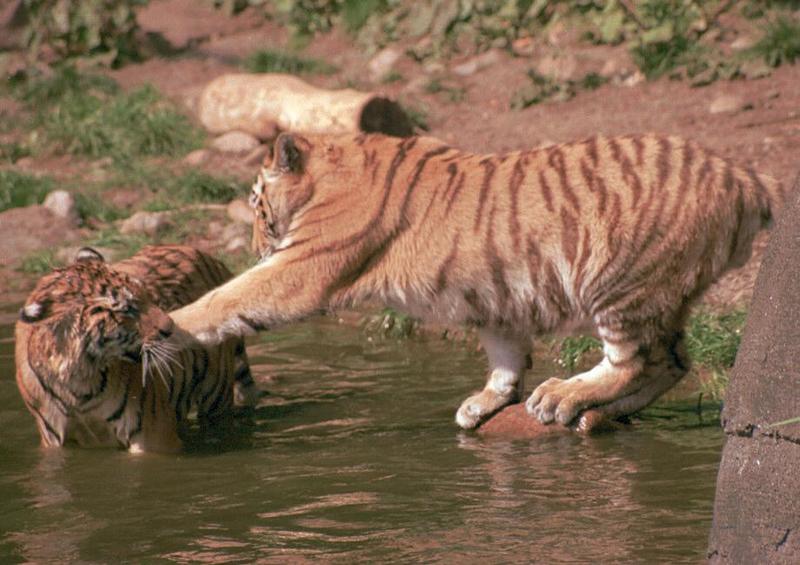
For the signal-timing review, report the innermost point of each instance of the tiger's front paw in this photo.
(556, 400)
(478, 407)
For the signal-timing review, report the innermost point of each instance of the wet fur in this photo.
(79, 340)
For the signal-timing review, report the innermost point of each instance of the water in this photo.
(354, 457)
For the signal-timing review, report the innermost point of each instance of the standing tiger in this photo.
(620, 233)
(82, 369)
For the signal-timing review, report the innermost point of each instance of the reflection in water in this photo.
(353, 457)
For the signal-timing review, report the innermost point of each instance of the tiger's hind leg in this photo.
(641, 362)
(509, 357)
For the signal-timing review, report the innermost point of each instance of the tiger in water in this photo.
(83, 368)
(618, 234)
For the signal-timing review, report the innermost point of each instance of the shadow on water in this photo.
(353, 456)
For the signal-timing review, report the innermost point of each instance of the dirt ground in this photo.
(764, 130)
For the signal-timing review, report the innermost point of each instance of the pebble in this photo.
(235, 142)
(239, 211)
(62, 204)
(149, 223)
(477, 63)
(197, 157)
(383, 62)
(726, 103)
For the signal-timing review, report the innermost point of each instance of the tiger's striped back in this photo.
(618, 233)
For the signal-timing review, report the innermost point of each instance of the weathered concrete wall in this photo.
(757, 507)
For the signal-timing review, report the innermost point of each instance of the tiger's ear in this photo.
(88, 254)
(35, 311)
(289, 153)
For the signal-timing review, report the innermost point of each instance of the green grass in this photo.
(125, 244)
(19, 189)
(84, 114)
(13, 152)
(124, 126)
(780, 42)
(171, 190)
(713, 339)
(39, 263)
(573, 348)
(390, 323)
(274, 61)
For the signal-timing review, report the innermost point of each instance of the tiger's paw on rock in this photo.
(514, 422)
(478, 407)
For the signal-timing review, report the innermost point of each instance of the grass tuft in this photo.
(713, 339)
(39, 262)
(780, 42)
(19, 189)
(273, 61)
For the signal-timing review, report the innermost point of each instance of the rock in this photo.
(742, 43)
(757, 508)
(256, 156)
(62, 204)
(234, 231)
(235, 142)
(239, 211)
(237, 244)
(214, 229)
(149, 223)
(559, 66)
(634, 79)
(29, 229)
(726, 103)
(383, 62)
(197, 157)
(523, 47)
(514, 422)
(475, 64)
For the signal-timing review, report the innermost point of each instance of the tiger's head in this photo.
(86, 317)
(288, 178)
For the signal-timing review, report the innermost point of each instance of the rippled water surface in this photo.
(354, 456)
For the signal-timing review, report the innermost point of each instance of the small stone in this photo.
(239, 211)
(197, 157)
(559, 66)
(149, 223)
(634, 79)
(256, 156)
(235, 142)
(726, 103)
(237, 244)
(475, 64)
(523, 47)
(233, 231)
(383, 62)
(62, 204)
(742, 43)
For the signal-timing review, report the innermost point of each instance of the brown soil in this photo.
(765, 135)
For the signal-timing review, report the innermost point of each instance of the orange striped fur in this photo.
(79, 352)
(620, 233)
